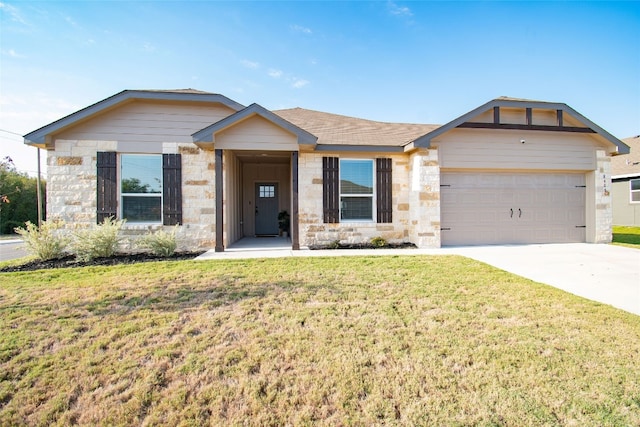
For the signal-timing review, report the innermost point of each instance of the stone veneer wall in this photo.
(424, 198)
(71, 191)
(409, 194)
(603, 201)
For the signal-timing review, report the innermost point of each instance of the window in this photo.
(267, 191)
(141, 187)
(634, 185)
(347, 190)
(356, 190)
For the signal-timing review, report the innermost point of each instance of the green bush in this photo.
(378, 242)
(44, 242)
(101, 241)
(160, 243)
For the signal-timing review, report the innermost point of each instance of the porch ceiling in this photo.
(263, 157)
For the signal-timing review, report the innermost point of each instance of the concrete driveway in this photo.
(605, 273)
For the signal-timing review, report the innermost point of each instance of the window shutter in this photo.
(171, 189)
(383, 190)
(107, 191)
(331, 189)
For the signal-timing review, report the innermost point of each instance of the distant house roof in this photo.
(628, 165)
(38, 136)
(334, 129)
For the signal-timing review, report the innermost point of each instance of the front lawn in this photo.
(401, 340)
(626, 236)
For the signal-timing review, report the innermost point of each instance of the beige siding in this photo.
(144, 121)
(624, 212)
(519, 116)
(488, 149)
(232, 198)
(256, 133)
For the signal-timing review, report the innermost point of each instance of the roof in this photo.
(185, 95)
(334, 129)
(206, 134)
(627, 165)
(506, 102)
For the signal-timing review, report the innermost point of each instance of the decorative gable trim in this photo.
(465, 121)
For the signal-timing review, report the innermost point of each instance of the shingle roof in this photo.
(624, 164)
(334, 129)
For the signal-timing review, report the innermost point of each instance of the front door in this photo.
(266, 209)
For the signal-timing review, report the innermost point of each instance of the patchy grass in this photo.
(626, 236)
(310, 341)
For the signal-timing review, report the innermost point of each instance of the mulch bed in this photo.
(403, 245)
(72, 261)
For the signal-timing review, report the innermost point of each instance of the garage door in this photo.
(502, 208)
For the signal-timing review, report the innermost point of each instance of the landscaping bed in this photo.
(72, 261)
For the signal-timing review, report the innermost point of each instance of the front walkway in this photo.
(605, 273)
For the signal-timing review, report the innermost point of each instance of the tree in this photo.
(18, 197)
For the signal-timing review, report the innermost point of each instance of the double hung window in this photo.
(141, 187)
(356, 190)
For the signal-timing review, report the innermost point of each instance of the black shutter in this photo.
(330, 189)
(171, 189)
(107, 191)
(383, 190)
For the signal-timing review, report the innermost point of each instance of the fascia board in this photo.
(38, 136)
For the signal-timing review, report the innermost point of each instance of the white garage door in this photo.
(498, 208)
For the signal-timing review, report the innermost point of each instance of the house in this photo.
(510, 171)
(625, 188)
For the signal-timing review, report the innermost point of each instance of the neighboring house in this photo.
(625, 189)
(510, 171)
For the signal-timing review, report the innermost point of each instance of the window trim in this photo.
(371, 196)
(122, 195)
(632, 191)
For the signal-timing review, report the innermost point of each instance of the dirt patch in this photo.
(71, 261)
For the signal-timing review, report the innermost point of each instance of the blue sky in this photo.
(398, 61)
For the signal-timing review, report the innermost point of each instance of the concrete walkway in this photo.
(605, 273)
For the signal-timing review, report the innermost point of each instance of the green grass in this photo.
(311, 341)
(626, 236)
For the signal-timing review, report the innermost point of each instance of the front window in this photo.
(635, 190)
(141, 187)
(356, 190)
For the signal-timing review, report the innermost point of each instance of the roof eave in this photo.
(425, 140)
(39, 136)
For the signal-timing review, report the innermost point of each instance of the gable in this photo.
(44, 136)
(146, 121)
(256, 133)
(517, 116)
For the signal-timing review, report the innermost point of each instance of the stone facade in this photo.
(603, 203)
(415, 197)
(71, 191)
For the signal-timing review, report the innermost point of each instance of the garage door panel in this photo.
(493, 208)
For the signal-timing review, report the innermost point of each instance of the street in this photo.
(12, 249)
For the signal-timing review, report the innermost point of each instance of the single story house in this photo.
(625, 189)
(510, 171)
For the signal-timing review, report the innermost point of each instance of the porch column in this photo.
(219, 203)
(295, 241)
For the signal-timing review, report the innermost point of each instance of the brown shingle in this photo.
(334, 129)
(624, 164)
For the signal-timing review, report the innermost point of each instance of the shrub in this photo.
(160, 243)
(100, 241)
(334, 245)
(378, 242)
(44, 242)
